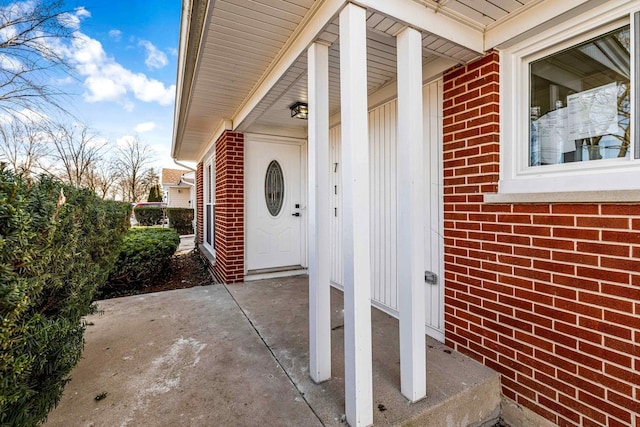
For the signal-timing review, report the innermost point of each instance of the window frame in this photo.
(209, 201)
(516, 176)
(280, 204)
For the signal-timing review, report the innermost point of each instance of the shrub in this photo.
(144, 256)
(53, 254)
(181, 219)
(155, 194)
(149, 215)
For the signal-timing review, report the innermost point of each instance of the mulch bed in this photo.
(185, 271)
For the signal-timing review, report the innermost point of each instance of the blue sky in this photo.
(125, 61)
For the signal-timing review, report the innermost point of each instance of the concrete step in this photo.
(460, 391)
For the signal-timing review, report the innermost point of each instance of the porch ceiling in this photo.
(241, 40)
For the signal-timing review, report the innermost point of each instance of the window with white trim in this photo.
(572, 124)
(209, 204)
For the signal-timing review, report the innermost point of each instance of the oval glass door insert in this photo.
(274, 188)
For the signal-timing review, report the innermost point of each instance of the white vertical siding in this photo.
(382, 139)
(335, 177)
(433, 209)
(382, 155)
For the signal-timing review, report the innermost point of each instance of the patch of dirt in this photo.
(186, 270)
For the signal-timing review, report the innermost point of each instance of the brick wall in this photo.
(229, 221)
(199, 203)
(546, 294)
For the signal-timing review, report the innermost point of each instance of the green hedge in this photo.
(55, 249)
(149, 215)
(144, 256)
(181, 219)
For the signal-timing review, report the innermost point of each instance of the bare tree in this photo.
(151, 178)
(30, 32)
(132, 162)
(103, 179)
(23, 146)
(77, 151)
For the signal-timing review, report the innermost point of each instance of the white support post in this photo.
(411, 292)
(355, 224)
(318, 209)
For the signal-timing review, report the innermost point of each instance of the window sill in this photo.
(211, 257)
(608, 196)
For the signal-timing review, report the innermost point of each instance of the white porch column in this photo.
(355, 224)
(318, 208)
(411, 292)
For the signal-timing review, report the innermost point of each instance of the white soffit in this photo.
(244, 39)
(273, 111)
(481, 11)
(535, 17)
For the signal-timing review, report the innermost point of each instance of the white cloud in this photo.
(155, 57)
(72, 20)
(98, 141)
(82, 12)
(28, 114)
(107, 80)
(150, 90)
(34, 116)
(10, 64)
(115, 34)
(65, 81)
(103, 88)
(18, 9)
(145, 127)
(6, 33)
(125, 141)
(86, 53)
(159, 149)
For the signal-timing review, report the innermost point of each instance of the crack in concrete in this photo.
(300, 392)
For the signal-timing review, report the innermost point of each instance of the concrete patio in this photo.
(238, 356)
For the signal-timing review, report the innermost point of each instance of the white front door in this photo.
(273, 202)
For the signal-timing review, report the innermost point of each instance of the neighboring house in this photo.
(177, 185)
(489, 147)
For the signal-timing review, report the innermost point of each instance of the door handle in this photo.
(295, 214)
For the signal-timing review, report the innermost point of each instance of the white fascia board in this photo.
(321, 14)
(187, 7)
(424, 19)
(182, 102)
(504, 33)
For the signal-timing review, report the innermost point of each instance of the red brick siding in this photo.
(199, 203)
(546, 294)
(229, 221)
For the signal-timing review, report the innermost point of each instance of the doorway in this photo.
(275, 209)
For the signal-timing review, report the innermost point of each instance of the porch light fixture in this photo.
(299, 110)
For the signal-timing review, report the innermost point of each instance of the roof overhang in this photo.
(225, 83)
(194, 16)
